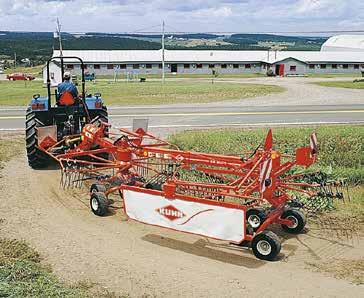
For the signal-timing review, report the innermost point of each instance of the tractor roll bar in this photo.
(62, 73)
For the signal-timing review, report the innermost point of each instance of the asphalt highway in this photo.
(199, 116)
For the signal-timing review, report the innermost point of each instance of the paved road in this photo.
(172, 118)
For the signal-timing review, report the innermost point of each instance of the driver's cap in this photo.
(67, 74)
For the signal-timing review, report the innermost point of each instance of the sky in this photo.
(185, 15)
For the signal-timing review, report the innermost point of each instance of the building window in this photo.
(160, 66)
(223, 65)
(356, 66)
(122, 66)
(235, 65)
(96, 66)
(323, 66)
(345, 66)
(110, 66)
(211, 65)
(186, 66)
(69, 66)
(334, 66)
(248, 66)
(312, 66)
(135, 66)
(148, 66)
(198, 65)
(292, 68)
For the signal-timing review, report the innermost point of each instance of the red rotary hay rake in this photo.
(223, 197)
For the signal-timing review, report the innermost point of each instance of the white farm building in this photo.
(109, 62)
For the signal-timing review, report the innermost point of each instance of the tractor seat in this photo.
(66, 99)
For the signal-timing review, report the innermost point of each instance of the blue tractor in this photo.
(66, 117)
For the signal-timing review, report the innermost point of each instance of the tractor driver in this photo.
(67, 86)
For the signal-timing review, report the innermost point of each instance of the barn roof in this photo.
(344, 43)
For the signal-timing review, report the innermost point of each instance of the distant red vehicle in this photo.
(20, 77)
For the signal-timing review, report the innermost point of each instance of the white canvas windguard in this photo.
(218, 222)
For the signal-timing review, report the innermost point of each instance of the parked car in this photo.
(20, 77)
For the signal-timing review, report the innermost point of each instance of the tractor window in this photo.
(96, 66)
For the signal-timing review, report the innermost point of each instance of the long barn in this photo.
(284, 63)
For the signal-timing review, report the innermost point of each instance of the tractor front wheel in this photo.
(99, 203)
(37, 159)
(266, 246)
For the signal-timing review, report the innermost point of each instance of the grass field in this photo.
(342, 84)
(152, 93)
(35, 70)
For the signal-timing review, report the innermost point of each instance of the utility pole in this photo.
(59, 37)
(163, 76)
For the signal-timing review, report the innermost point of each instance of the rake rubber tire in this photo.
(266, 246)
(99, 203)
(258, 213)
(96, 187)
(36, 158)
(298, 217)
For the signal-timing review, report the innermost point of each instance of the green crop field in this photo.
(342, 84)
(148, 93)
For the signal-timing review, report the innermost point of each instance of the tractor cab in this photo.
(62, 114)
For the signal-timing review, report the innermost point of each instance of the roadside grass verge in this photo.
(342, 84)
(148, 93)
(23, 275)
(341, 153)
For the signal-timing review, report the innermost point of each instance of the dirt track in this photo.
(132, 258)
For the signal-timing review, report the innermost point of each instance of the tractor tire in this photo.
(266, 246)
(101, 115)
(299, 221)
(36, 158)
(99, 203)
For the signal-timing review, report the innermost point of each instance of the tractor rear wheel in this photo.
(36, 158)
(101, 115)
